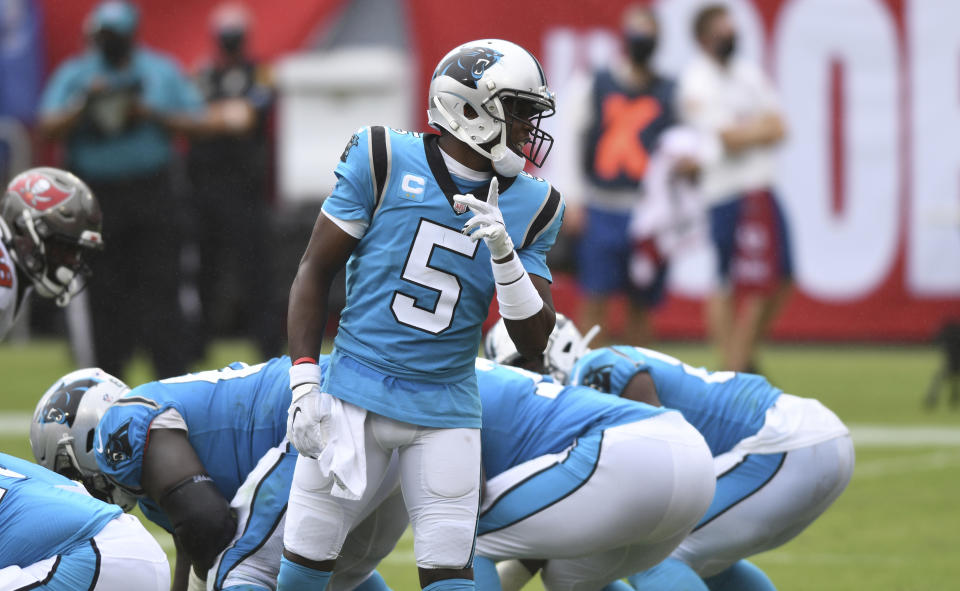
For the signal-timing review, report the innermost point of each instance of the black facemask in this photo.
(724, 47)
(115, 48)
(640, 48)
(231, 42)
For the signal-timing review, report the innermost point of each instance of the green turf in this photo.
(895, 528)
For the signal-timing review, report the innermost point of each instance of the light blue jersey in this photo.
(724, 406)
(526, 415)
(418, 290)
(233, 416)
(43, 514)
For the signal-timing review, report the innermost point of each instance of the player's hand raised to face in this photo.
(487, 222)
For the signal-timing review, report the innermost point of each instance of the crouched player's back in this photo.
(232, 417)
(54, 533)
(43, 514)
(724, 406)
(526, 415)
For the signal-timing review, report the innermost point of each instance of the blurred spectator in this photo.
(116, 107)
(21, 80)
(733, 99)
(626, 109)
(228, 172)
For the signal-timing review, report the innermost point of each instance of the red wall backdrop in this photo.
(889, 311)
(181, 27)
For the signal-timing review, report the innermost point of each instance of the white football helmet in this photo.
(482, 88)
(564, 346)
(64, 426)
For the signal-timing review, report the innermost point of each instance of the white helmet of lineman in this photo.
(482, 88)
(564, 346)
(64, 426)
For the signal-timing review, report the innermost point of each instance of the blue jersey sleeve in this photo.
(534, 257)
(608, 370)
(121, 438)
(62, 89)
(171, 91)
(353, 196)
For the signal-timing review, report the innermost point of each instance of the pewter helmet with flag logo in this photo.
(50, 222)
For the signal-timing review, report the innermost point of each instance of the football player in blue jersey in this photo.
(206, 457)
(57, 537)
(429, 228)
(559, 461)
(780, 461)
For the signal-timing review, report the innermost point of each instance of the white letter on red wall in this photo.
(837, 69)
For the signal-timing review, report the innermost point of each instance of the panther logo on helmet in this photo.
(598, 378)
(468, 65)
(118, 448)
(62, 406)
(39, 192)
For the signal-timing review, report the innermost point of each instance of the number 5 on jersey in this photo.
(417, 270)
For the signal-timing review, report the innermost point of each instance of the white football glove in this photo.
(308, 418)
(487, 222)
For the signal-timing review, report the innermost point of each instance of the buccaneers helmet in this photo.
(50, 222)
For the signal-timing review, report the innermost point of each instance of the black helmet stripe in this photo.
(543, 77)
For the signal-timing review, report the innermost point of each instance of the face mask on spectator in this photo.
(724, 47)
(114, 47)
(640, 48)
(231, 41)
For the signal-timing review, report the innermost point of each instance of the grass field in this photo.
(897, 527)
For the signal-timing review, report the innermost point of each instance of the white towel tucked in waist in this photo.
(343, 457)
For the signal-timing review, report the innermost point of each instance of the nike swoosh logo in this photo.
(99, 446)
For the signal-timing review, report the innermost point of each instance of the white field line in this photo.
(883, 467)
(904, 436)
(14, 424)
(779, 556)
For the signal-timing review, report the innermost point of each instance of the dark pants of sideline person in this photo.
(134, 292)
(236, 275)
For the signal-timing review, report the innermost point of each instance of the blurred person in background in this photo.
(49, 226)
(228, 172)
(117, 107)
(723, 95)
(622, 115)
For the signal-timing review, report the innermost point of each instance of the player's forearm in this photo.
(764, 130)
(181, 568)
(56, 125)
(307, 311)
(530, 334)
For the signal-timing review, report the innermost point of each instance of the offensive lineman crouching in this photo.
(206, 458)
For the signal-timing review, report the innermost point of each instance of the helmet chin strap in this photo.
(59, 289)
(505, 161)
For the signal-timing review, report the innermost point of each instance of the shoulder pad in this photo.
(380, 161)
(551, 206)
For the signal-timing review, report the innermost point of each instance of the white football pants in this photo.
(440, 480)
(613, 504)
(122, 556)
